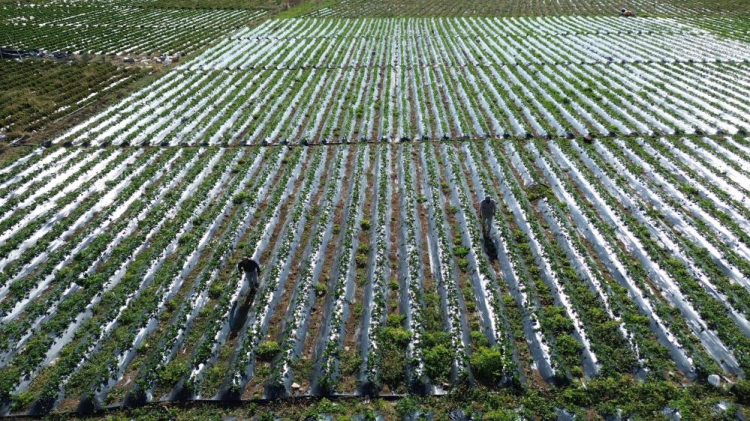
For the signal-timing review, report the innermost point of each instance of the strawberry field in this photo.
(404, 8)
(36, 94)
(611, 257)
(414, 79)
(345, 145)
(122, 29)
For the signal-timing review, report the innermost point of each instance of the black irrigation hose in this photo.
(48, 144)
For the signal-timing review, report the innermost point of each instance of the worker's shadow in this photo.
(238, 315)
(490, 247)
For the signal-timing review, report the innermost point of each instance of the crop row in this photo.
(92, 15)
(271, 107)
(613, 256)
(116, 29)
(734, 28)
(398, 8)
(421, 80)
(36, 93)
(466, 41)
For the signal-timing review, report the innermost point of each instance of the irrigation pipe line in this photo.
(49, 145)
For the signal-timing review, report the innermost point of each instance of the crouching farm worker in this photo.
(626, 13)
(487, 211)
(251, 269)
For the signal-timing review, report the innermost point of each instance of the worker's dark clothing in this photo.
(248, 265)
(251, 269)
(487, 211)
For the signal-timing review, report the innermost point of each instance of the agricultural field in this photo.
(115, 29)
(346, 145)
(505, 8)
(406, 8)
(268, 5)
(414, 79)
(624, 256)
(738, 29)
(36, 94)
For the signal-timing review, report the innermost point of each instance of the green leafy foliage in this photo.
(487, 365)
(171, 373)
(267, 350)
(438, 356)
(394, 339)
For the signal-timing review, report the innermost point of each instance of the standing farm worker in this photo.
(251, 269)
(487, 211)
